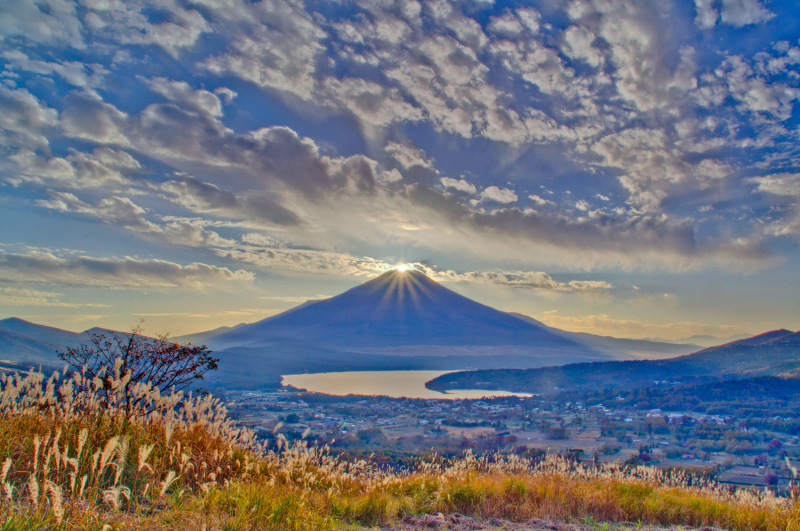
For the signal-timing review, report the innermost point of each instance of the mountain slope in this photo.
(400, 309)
(27, 351)
(769, 354)
(40, 332)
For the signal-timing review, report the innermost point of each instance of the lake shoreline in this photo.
(394, 384)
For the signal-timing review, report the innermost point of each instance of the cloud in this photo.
(740, 13)
(73, 72)
(500, 195)
(787, 184)
(461, 185)
(227, 94)
(307, 260)
(707, 14)
(638, 237)
(49, 22)
(129, 22)
(200, 196)
(578, 45)
(88, 117)
(275, 45)
(539, 201)
(184, 95)
(103, 167)
(119, 211)
(30, 297)
(408, 156)
(110, 272)
(24, 120)
(521, 279)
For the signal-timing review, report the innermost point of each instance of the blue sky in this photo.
(612, 166)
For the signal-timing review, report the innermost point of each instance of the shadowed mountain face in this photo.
(399, 309)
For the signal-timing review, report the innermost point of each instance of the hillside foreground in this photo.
(72, 460)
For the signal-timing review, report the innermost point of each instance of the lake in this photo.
(396, 384)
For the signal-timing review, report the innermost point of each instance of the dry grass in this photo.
(68, 463)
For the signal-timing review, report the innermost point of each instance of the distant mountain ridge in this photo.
(774, 353)
(397, 321)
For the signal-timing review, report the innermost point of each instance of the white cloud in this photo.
(127, 272)
(408, 156)
(128, 22)
(227, 94)
(24, 120)
(103, 167)
(88, 117)
(707, 14)
(73, 72)
(740, 13)
(183, 94)
(541, 201)
(461, 185)
(119, 211)
(49, 22)
(500, 195)
(779, 184)
(275, 46)
(536, 280)
(31, 297)
(578, 45)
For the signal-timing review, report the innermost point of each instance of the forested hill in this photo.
(769, 354)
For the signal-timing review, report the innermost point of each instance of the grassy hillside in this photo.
(769, 354)
(71, 460)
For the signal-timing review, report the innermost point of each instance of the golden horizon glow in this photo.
(402, 267)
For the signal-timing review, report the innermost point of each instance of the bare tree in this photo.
(139, 359)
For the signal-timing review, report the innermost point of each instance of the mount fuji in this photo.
(399, 320)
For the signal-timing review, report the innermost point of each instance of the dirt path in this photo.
(457, 522)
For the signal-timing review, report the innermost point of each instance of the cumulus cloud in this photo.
(131, 22)
(73, 72)
(740, 13)
(50, 22)
(184, 95)
(500, 195)
(540, 201)
(275, 47)
(88, 117)
(462, 185)
(408, 156)
(205, 197)
(119, 211)
(578, 45)
(24, 120)
(779, 184)
(609, 234)
(126, 272)
(103, 167)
